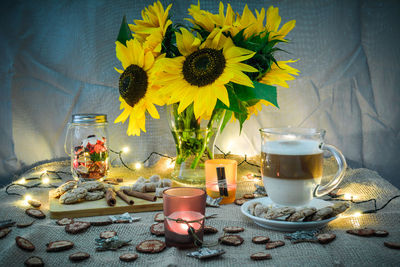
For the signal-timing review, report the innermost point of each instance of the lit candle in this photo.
(183, 207)
(212, 185)
(181, 227)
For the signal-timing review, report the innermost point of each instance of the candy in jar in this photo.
(87, 135)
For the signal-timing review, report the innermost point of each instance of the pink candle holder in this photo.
(184, 208)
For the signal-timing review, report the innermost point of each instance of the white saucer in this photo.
(279, 225)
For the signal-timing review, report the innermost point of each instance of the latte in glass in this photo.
(291, 170)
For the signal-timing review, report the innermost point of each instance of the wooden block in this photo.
(100, 207)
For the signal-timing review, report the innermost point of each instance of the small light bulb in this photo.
(45, 180)
(230, 145)
(21, 181)
(125, 149)
(170, 164)
(26, 199)
(291, 137)
(250, 176)
(347, 196)
(357, 214)
(138, 165)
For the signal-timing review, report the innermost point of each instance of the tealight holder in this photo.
(184, 210)
(221, 179)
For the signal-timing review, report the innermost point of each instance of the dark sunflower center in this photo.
(133, 84)
(204, 66)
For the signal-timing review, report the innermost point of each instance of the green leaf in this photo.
(98, 156)
(203, 32)
(260, 91)
(238, 38)
(227, 118)
(124, 32)
(234, 101)
(168, 45)
(241, 117)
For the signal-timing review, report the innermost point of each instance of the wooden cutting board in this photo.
(100, 207)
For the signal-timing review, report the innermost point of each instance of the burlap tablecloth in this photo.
(346, 250)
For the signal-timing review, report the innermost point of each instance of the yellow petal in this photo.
(123, 116)
(188, 44)
(148, 61)
(243, 67)
(241, 78)
(222, 94)
(132, 129)
(152, 110)
(286, 28)
(237, 54)
(123, 55)
(186, 99)
(118, 70)
(273, 19)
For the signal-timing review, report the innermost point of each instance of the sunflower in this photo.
(280, 73)
(277, 75)
(138, 93)
(152, 28)
(250, 24)
(273, 22)
(257, 107)
(200, 74)
(209, 21)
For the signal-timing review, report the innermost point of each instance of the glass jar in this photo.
(86, 143)
(194, 141)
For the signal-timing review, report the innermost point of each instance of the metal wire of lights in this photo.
(348, 197)
(45, 180)
(244, 161)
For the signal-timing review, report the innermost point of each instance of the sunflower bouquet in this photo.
(219, 68)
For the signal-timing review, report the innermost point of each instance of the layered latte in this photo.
(291, 169)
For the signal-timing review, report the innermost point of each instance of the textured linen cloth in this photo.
(58, 58)
(346, 250)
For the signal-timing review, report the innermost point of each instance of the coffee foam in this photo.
(292, 147)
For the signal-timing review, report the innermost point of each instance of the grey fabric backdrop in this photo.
(57, 58)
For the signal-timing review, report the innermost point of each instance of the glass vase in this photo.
(194, 140)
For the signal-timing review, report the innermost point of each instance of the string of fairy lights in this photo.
(351, 198)
(44, 180)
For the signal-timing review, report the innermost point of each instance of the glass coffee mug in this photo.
(292, 164)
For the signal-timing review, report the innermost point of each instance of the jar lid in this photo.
(89, 118)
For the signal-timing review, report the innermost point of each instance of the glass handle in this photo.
(325, 189)
(66, 143)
